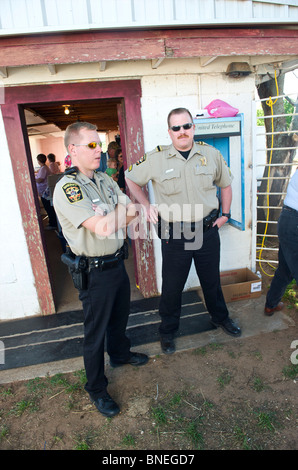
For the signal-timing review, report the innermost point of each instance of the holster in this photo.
(77, 267)
(210, 219)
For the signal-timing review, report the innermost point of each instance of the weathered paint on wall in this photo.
(18, 295)
(27, 197)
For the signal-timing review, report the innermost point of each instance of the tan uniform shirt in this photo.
(73, 196)
(182, 183)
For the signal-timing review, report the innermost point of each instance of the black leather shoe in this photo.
(167, 345)
(229, 327)
(106, 406)
(136, 359)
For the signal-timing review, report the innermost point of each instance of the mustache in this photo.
(183, 136)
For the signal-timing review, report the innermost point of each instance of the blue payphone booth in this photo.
(226, 134)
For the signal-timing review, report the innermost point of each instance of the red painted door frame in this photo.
(18, 143)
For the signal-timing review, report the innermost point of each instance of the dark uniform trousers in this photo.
(106, 306)
(176, 263)
(287, 256)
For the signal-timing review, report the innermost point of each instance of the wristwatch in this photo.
(225, 214)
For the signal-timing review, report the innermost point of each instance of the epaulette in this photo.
(201, 142)
(71, 172)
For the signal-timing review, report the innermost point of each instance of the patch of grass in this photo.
(242, 438)
(58, 379)
(200, 351)
(4, 431)
(267, 420)
(129, 440)
(204, 349)
(290, 296)
(36, 386)
(6, 392)
(258, 384)
(215, 346)
(195, 436)
(224, 378)
(24, 405)
(291, 371)
(208, 405)
(176, 399)
(82, 445)
(159, 415)
(81, 375)
(85, 440)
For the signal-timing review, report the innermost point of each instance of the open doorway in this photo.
(17, 99)
(44, 122)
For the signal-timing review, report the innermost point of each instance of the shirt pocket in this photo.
(170, 181)
(204, 177)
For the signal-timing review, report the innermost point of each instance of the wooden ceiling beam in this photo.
(100, 47)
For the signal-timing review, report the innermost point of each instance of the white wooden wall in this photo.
(33, 16)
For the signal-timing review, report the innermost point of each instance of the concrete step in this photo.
(40, 340)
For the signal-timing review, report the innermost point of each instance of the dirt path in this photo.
(238, 395)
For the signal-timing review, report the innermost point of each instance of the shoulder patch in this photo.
(73, 192)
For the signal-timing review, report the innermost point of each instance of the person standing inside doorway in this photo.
(41, 179)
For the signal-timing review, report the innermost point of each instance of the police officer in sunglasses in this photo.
(185, 177)
(93, 212)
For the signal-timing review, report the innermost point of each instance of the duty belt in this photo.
(107, 262)
(168, 227)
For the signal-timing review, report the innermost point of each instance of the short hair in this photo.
(112, 160)
(178, 111)
(75, 128)
(41, 158)
(113, 145)
(51, 157)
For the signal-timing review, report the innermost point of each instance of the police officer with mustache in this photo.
(185, 177)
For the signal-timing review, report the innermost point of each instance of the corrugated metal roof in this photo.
(37, 16)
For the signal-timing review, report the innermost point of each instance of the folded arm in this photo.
(106, 225)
